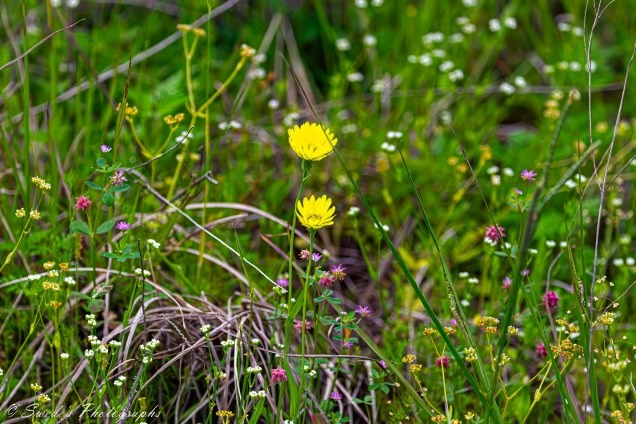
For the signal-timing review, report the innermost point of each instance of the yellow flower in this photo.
(20, 213)
(310, 142)
(316, 213)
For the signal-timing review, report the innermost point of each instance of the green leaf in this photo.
(96, 305)
(105, 227)
(108, 199)
(80, 227)
(101, 162)
(80, 295)
(119, 189)
(94, 186)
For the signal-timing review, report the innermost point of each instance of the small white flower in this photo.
(550, 243)
(388, 147)
(257, 74)
(592, 66)
(349, 128)
(64, 356)
(456, 75)
(369, 40)
(34, 277)
(492, 170)
(103, 349)
(562, 65)
(56, 3)
(510, 22)
(343, 44)
(533, 251)
(494, 25)
(630, 261)
(118, 383)
(563, 244)
(432, 37)
(53, 273)
(411, 58)
(313, 374)
(506, 88)
(575, 66)
(378, 86)
(253, 394)
(259, 58)
(617, 201)
(520, 82)
(88, 353)
(495, 180)
(70, 281)
(469, 3)
(361, 4)
(273, 104)
(469, 28)
(154, 244)
(548, 69)
(385, 227)
(205, 329)
(445, 116)
(114, 343)
(72, 4)
(446, 66)
(184, 137)
(570, 184)
(353, 211)
(392, 135)
(564, 26)
(355, 77)
(291, 118)
(578, 31)
(465, 303)
(618, 262)
(377, 3)
(580, 178)
(473, 280)
(461, 20)
(463, 274)
(425, 60)
(456, 38)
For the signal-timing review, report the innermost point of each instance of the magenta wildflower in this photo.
(316, 257)
(528, 175)
(347, 345)
(551, 300)
(540, 350)
(83, 203)
(298, 325)
(506, 283)
(327, 281)
(304, 254)
(453, 322)
(122, 226)
(338, 271)
(383, 364)
(525, 272)
(278, 375)
(494, 234)
(363, 311)
(335, 395)
(118, 178)
(519, 192)
(282, 282)
(105, 148)
(444, 361)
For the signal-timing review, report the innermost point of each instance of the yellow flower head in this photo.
(310, 142)
(316, 213)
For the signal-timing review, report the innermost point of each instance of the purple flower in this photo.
(453, 322)
(495, 233)
(122, 226)
(506, 283)
(304, 254)
(551, 300)
(83, 203)
(118, 178)
(444, 361)
(105, 148)
(528, 175)
(338, 271)
(282, 282)
(383, 364)
(300, 326)
(540, 350)
(316, 257)
(519, 192)
(363, 311)
(335, 395)
(347, 345)
(278, 375)
(327, 281)
(525, 272)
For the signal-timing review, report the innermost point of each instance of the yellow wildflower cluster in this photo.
(199, 32)
(173, 120)
(429, 331)
(225, 415)
(471, 354)
(566, 349)
(130, 110)
(513, 331)
(606, 318)
(415, 368)
(20, 213)
(41, 184)
(47, 285)
(247, 51)
(450, 330)
(409, 359)
(570, 328)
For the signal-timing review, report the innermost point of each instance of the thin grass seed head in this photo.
(310, 142)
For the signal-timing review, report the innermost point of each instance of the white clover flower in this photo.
(343, 44)
(117, 383)
(510, 22)
(369, 40)
(70, 281)
(550, 243)
(456, 75)
(88, 353)
(494, 25)
(506, 88)
(446, 66)
(425, 60)
(520, 82)
(205, 329)
(355, 77)
(184, 137)
(154, 244)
